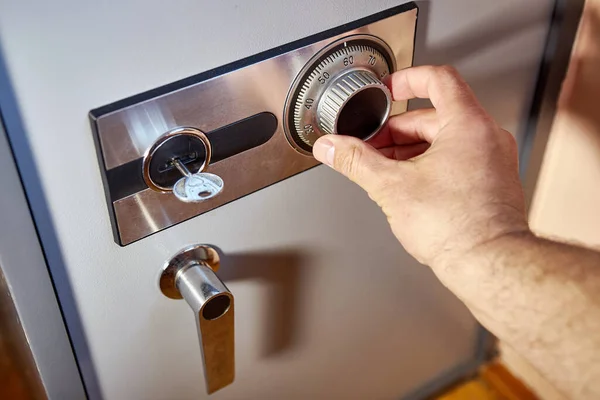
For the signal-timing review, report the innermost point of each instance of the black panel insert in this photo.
(242, 135)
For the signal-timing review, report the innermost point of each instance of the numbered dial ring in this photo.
(340, 92)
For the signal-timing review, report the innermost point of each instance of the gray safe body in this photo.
(300, 256)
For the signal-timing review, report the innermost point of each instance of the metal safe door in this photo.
(328, 305)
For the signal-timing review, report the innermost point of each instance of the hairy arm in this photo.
(540, 297)
(447, 180)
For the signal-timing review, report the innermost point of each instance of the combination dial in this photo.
(340, 91)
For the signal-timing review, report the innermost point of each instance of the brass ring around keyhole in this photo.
(185, 131)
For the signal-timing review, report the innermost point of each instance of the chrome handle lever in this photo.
(190, 275)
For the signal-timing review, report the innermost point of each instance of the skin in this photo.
(447, 180)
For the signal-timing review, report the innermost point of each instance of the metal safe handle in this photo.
(190, 275)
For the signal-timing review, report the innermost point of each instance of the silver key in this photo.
(194, 188)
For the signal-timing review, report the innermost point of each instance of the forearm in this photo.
(461, 189)
(541, 298)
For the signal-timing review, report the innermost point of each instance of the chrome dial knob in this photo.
(339, 91)
(356, 104)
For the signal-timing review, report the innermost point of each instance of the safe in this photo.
(167, 233)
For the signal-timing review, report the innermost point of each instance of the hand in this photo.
(446, 178)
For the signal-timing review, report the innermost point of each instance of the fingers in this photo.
(408, 128)
(420, 125)
(406, 152)
(353, 158)
(448, 92)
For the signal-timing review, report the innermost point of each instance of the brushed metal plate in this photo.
(125, 129)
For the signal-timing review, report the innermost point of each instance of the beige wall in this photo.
(567, 200)
(566, 204)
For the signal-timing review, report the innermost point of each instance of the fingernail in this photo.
(324, 151)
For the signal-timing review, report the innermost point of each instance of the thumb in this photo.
(352, 157)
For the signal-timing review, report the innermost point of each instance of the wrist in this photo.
(482, 247)
(476, 275)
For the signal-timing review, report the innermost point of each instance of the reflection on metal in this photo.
(216, 99)
(190, 275)
(144, 127)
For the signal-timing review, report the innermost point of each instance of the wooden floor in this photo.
(475, 389)
(494, 382)
(18, 375)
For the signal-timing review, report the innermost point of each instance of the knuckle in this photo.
(448, 73)
(511, 142)
(486, 133)
(449, 77)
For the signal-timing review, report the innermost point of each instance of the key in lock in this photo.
(165, 166)
(190, 275)
(193, 188)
